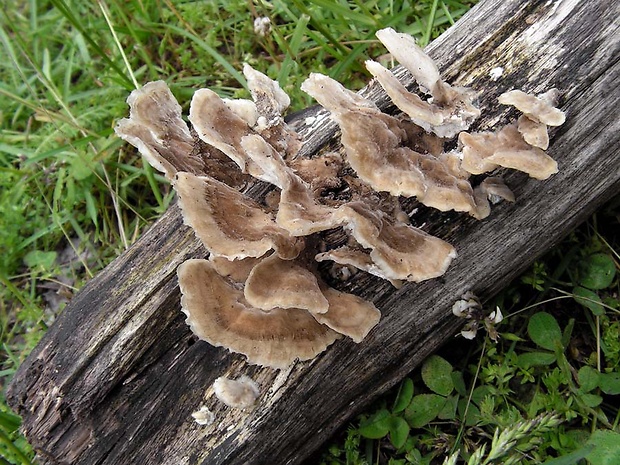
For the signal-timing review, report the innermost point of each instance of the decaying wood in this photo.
(117, 377)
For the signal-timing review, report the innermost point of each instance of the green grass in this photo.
(73, 196)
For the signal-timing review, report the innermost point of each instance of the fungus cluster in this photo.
(260, 292)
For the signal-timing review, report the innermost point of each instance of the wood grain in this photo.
(117, 376)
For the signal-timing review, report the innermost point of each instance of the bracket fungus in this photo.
(261, 292)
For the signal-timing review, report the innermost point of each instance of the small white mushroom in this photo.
(240, 393)
(203, 416)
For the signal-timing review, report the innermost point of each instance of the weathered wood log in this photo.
(117, 376)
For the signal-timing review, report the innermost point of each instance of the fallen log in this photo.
(116, 378)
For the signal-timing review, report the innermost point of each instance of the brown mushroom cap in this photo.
(219, 126)
(277, 283)
(408, 253)
(513, 152)
(421, 113)
(244, 109)
(483, 152)
(228, 223)
(398, 250)
(533, 132)
(537, 109)
(443, 121)
(375, 149)
(218, 313)
(457, 99)
(496, 189)
(349, 314)
(156, 128)
(404, 49)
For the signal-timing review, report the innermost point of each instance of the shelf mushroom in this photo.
(260, 292)
(218, 313)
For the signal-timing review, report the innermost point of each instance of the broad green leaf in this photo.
(40, 259)
(532, 359)
(591, 400)
(423, 409)
(436, 374)
(597, 271)
(588, 378)
(572, 458)
(473, 412)
(606, 448)
(589, 299)
(545, 331)
(399, 431)
(480, 393)
(404, 397)
(610, 383)
(448, 412)
(459, 382)
(377, 426)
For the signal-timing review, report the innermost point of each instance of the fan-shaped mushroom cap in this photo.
(533, 132)
(236, 393)
(348, 314)
(534, 162)
(271, 101)
(244, 109)
(490, 190)
(422, 67)
(537, 109)
(298, 211)
(513, 152)
(374, 146)
(496, 189)
(400, 250)
(421, 113)
(476, 149)
(274, 283)
(218, 313)
(404, 49)
(441, 121)
(156, 128)
(345, 255)
(219, 126)
(228, 223)
(483, 152)
(397, 250)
